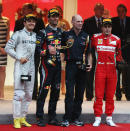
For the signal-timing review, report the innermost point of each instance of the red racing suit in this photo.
(108, 52)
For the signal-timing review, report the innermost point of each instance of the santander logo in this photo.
(106, 48)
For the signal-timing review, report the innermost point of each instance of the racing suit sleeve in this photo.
(118, 51)
(40, 38)
(11, 45)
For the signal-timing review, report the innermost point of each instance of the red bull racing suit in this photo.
(50, 73)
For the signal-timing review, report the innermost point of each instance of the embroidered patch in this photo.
(113, 42)
(37, 42)
(100, 41)
(50, 37)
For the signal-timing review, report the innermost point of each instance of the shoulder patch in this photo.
(98, 34)
(37, 42)
(115, 36)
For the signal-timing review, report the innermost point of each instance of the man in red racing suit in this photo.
(108, 52)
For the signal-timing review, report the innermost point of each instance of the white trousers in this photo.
(22, 91)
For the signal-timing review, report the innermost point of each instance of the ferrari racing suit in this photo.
(108, 52)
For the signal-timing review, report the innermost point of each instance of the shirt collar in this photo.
(53, 28)
(98, 18)
(124, 20)
(72, 30)
(106, 37)
(29, 33)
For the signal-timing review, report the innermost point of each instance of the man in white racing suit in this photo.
(21, 47)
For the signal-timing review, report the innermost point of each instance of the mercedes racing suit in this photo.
(18, 47)
(50, 75)
(108, 52)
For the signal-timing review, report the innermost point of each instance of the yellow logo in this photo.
(109, 40)
(100, 41)
(50, 37)
(37, 42)
(57, 42)
(54, 10)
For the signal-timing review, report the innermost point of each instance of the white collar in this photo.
(98, 18)
(29, 33)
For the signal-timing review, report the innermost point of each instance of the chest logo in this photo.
(50, 37)
(56, 42)
(100, 41)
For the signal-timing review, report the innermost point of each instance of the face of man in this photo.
(77, 22)
(30, 24)
(99, 10)
(106, 29)
(121, 12)
(53, 20)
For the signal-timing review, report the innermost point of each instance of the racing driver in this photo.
(21, 47)
(108, 53)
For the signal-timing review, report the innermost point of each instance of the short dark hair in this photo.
(122, 6)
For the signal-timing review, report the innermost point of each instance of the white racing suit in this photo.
(18, 47)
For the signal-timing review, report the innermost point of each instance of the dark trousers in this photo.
(49, 77)
(89, 84)
(126, 82)
(35, 88)
(90, 79)
(118, 89)
(75, 85)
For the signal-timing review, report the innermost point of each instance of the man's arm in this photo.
(8, 31)
(89, 67)
(118, 51)
(7, 37)
(11, 45)
(89, 55)
(40, 38)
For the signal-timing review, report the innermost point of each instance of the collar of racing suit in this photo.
(29, 33)
(106, 36)
(52, 28)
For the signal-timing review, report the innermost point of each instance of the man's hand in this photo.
(2, 51)
(52, 50)
(88, 67)
(23, 60)
(121, 65)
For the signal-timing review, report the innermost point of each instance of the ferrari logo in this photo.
(109, 40)
(100, 41)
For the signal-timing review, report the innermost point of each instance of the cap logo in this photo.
(107, 20)
(30, 15)
(53, 11)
